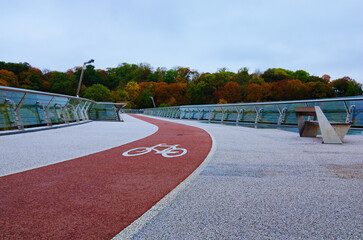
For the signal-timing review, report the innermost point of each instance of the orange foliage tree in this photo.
(161, 93)
(231, 92)
(288, 89)
(259, 93)
(177, 93)
(8, 78)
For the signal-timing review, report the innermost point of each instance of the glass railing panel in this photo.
(15, 96)
(103, 112)
(230, 114)
(334, 111)
(248, 114)
(357, 112)
(32, 115)
(194, 114)
(277, 112)
(7, 117)
(269, 115)
(32, 99)
(55, 114)
(290, 116)
(217, 114)
(204, 114)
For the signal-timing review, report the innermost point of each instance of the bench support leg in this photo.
(327, 131)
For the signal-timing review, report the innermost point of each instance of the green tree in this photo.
(346, 87)
(170, 76)
(276, 74)
(90, 76)
(320, 90)
(145, 99)
(29, 80)
(61, 83)
(302, 75)
(196, 92)
(16, 68)
(98, 92)
(242, 77)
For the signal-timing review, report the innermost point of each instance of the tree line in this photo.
(137, 83)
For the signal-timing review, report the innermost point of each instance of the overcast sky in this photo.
(319, 36)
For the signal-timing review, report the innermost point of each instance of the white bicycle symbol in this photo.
(168, 151)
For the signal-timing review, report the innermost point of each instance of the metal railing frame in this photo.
(80, 107)
(188, 111)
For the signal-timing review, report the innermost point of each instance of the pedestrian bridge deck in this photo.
(260, 183)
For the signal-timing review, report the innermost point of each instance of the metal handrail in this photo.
(188, 111)
(57, 95)
(357, 98)
(42, 93)
(82, 108)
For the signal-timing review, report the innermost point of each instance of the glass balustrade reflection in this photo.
(347, 109)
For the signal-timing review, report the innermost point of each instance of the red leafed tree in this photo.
(231, 92)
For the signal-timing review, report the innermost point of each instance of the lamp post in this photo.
(80, 79)
(152, 100)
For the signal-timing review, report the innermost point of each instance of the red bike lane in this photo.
(98, 195)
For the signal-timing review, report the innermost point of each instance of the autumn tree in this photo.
(132, 90)
(231, 92)
(288, 89)
(259, 93)
(8, 78)
(161, 93)
(29, 80)
(118, 96)
(177, 94)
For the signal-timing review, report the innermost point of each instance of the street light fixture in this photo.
(152, 100)
(80, 79)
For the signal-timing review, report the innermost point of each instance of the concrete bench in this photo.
(332, 132)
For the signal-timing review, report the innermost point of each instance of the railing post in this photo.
(238, 114)
(81, 110)
(66, 116)
(282, 114)
(83, 113)
(198, 114)
(49, 121)
(258, 112)
(88, 108)
(223, 112)
(349, 111)
(16, 109)
(75, 112)
(45, 113)
(210, 114)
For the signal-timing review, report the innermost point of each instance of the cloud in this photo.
(321, 37)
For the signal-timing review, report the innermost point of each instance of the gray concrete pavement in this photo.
(268, 184)
(20, 152)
